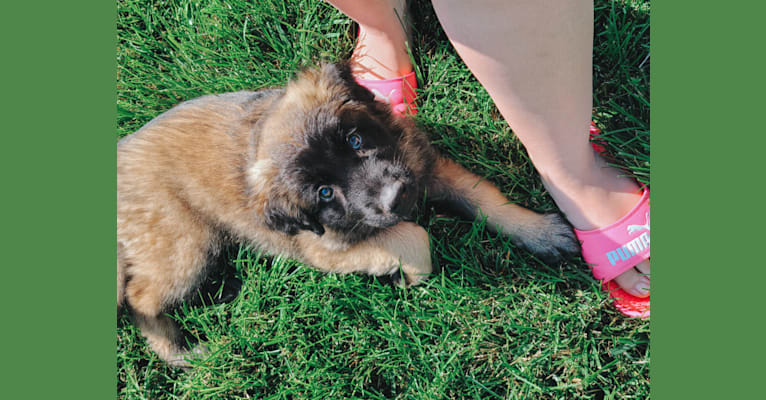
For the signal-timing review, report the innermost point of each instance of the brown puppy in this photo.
(318, 171)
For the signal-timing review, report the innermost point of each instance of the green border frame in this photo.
(59, 169)
(707, 94)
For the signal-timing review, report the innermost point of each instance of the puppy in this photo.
(318, 171)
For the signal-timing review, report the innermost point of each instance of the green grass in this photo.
(492, 321)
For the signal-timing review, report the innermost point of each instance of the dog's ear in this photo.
(291, 222)
(341, 73)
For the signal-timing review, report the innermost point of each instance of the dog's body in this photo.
(318, 171)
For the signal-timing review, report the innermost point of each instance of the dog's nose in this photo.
(392, 196)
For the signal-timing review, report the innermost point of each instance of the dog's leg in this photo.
(147, 296)
(165, 256)
(548, 236)
(404, 246)
(164, 337)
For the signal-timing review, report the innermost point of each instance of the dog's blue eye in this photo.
(355, 141)
(325, 193)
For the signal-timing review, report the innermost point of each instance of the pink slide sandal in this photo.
(618, 247)
(398, 92)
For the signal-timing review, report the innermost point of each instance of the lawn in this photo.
(491, 322)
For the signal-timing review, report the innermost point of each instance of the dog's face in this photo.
(341, 157)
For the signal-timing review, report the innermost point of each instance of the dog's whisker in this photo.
(356, 225)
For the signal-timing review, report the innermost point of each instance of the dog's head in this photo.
(337, 159)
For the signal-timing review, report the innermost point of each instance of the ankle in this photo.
(380, 55)
(593, 200)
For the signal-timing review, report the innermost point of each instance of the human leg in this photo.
(380, 61)
(380, 52)
(534, 59)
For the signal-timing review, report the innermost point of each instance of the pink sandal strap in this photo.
(596, 140)
(398, 92)
(616, 248)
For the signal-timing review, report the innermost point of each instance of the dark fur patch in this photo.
(279, 220)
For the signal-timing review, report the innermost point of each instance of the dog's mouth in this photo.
(375, 217)
(385, 221)
(397, 204)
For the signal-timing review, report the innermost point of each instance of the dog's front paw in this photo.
(406, 276)
(553, 239)
(183, 359)
(410, 246)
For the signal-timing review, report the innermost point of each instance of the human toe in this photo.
(636, 280)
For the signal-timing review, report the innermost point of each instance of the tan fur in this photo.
(205, 172)
(512, 220)
(404, 246)
(539, 233)
(172, 191)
